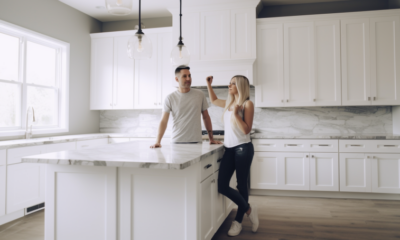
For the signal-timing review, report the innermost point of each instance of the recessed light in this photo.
(100, 7)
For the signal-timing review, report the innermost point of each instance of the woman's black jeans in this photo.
(238, 158)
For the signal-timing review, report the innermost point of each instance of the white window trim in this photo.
(63, 95)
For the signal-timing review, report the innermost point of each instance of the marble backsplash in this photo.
(304, 121)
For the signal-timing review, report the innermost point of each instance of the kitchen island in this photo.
(129, 191)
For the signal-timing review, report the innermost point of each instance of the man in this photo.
(186, 106)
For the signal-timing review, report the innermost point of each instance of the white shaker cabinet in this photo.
(243, 33)
(3, 178)
(207, 208)
(324, 172)
(355, 172)
(385, 177)
(385, 60)
(298, 64)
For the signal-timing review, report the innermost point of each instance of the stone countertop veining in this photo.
(343, 137)
(132, 154)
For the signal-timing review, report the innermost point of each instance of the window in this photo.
(33, 73)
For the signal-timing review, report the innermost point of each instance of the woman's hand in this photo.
(209, 80)
(236, 109)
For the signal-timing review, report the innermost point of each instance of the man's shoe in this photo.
(254, 218)
(235, 229)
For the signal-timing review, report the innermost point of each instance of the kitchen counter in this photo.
(132, 154)
(293, 136)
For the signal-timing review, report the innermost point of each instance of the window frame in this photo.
(62, 80)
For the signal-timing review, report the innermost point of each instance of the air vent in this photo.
(33, 209)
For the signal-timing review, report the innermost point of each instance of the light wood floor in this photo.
(280, 218)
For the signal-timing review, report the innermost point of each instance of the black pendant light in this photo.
(139, 45)
(180, 55)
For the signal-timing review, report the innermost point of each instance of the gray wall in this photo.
(130, 24)
(57, 20)
(327, 7)
(304, 121)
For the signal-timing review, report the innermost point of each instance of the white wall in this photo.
(130, 24)
(57, 20)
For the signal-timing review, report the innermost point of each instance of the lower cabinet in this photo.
(295, 171)
(25, 185)
(212, 207)
(379, 173)
(3, 182)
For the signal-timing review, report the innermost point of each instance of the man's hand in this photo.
(157, 145)
(215, 142)
(209, 79)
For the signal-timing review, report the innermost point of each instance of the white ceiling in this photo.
(158, 8)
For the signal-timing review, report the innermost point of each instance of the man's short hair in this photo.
(178, 69)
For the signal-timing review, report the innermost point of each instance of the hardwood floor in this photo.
(280, 218)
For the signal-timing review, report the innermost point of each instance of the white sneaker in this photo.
(254, 218)
(235, 229)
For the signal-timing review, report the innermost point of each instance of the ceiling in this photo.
(158, 8)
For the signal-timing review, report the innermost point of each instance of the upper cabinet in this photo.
(298, 64)
(348, 59)
(119, 82)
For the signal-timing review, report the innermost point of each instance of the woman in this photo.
(238, 120)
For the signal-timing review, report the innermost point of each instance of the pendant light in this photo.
(180, 55)
(139, 46)
(119, 7)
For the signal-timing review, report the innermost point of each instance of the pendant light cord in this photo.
(140, 18)
(180, 37)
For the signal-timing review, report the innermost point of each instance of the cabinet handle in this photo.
(369, 99)
(373, 157)
(207, 166)
(292, 145)
(389, 145)
(374, 98)
(356, 145)
(323, 145)
(314, 100)
(367, 156)
(306, 156)
(287, 100)
(213, 181)
(219, 160)
(312, 156)
(283, 100)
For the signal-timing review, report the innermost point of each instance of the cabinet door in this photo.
(146, 79)
(385, 60)
(206, 208)
(299, 64)
(229, 205)
(324, 172)
(385, 173)
(101, 81)
(355, 172)
(293, 172)
(3, 156)
(123, 75)
(327, 63)
(219, 205)
(25, 185)
(215, 35)
(243, 33)
(264, 170)
(269, 85)
(355, 62)
(165, 72)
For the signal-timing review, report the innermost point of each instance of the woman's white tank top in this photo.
(234, 136)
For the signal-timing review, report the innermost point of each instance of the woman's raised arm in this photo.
(213, 98)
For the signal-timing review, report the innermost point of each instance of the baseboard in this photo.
(321, 194)
(11, 217)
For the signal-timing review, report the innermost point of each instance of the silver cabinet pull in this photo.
(374, 98)
(323, 145)
(314, 100)
(207, 166)
(367, 156)
(312, 156)
(219, 160)
(213, 181)
(287, 100)
(356, 145)
(389, 145)
(306, 156)
(369, 99)
(292, 145)
(373, 157)
(283, 100)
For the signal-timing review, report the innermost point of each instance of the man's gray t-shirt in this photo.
(186, 109)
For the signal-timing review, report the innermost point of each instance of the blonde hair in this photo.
(243, 88)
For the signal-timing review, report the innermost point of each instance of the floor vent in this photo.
(33, 209)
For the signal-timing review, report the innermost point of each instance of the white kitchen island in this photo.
(129, 191)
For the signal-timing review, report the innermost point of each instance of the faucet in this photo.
(29, 135)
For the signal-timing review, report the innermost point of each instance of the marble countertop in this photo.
(132, 154)
(288, 136)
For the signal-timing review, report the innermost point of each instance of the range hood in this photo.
(221, 39)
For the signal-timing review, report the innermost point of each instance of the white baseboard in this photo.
(11, 217)
(320, 194)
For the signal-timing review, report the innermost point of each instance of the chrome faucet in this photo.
(29, 135)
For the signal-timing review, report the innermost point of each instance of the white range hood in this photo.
(221, 39)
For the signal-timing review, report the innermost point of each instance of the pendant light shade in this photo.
(119, 7)
(139, 45)
(180, 55)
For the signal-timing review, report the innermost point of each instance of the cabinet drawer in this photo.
(206, 168)
(296, 145)
(15, 155)
(3, 157)
(2, 190)
(369, 146)
(91, 143)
